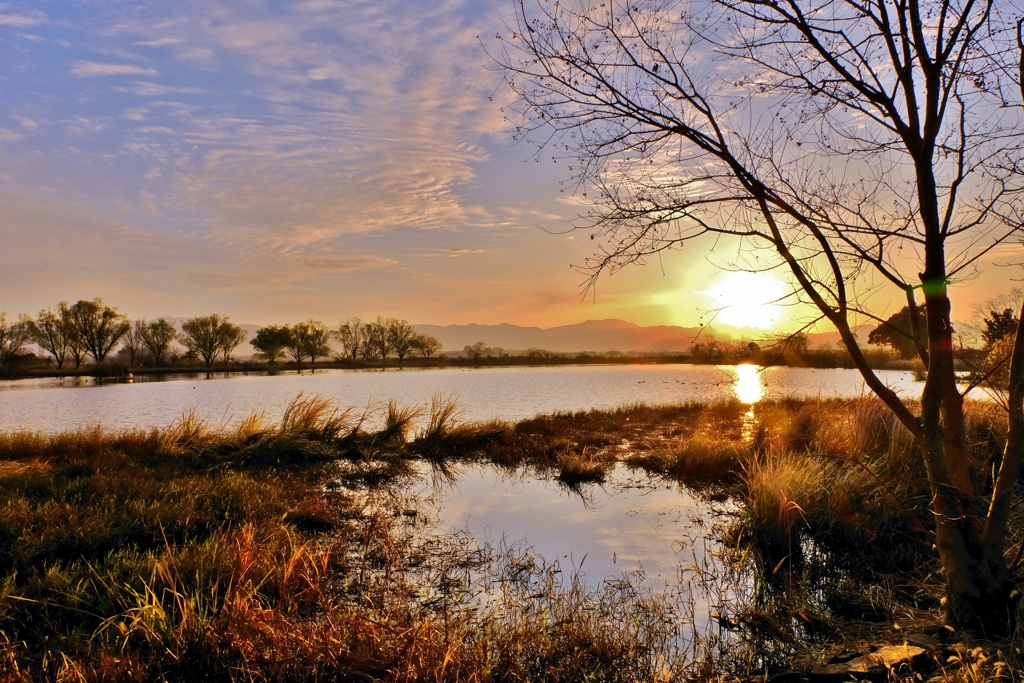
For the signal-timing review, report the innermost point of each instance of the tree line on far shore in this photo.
(73, 333)
(369, 342)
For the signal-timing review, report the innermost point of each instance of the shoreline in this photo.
(117, 371)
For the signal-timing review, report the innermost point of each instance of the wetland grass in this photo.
(277, 551)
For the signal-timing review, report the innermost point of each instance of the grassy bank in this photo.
(278, 552)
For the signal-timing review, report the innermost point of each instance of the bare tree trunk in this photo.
(978, 580)
(994, 536)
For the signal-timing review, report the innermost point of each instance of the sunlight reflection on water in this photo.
(749, 388)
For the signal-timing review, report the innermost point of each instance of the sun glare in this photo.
(748, 385)
(746, 299)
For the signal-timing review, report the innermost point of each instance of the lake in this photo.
(482, 393)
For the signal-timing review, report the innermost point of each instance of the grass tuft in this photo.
(575, 469)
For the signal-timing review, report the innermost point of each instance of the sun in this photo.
(746, 299)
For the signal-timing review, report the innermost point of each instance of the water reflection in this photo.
(483, 535)
(749, 388)
(632, 523)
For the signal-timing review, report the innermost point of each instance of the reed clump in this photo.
(702, 461)
(575, 469)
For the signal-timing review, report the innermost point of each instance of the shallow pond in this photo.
(632, 524)
(482, 394)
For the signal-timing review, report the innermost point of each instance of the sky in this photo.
(278, 161)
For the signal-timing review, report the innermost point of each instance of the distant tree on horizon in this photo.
(898, 333)
(378, 341)
(402, 338)
(13, 336)
(50, 332)
(426, 345)
(476, 351)
(76, 345)
(205, 335)
(312, 339)
(133, 344)
(999, 325)
(158, 336)
(231, 337)
(99, 327)
(295, 347)
(351, 334)
(271, 341)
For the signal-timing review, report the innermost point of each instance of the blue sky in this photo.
(280, 160)
(276, 161)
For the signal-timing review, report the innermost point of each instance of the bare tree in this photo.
(49, 332)
(158, 337)
(134, 341)
(98, 326)
(76, 344)
(350, 334)
(401, 337)
(13, 336)
(840, 142)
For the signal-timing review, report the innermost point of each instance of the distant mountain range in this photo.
(599, 335)
(592, 335)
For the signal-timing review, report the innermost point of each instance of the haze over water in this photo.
(482, 394)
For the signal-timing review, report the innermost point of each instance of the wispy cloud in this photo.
(342, 264)
(28, 19)
(155, 89)
(370, 117)
(160, 42)
(448, 253)
(275, 151)
(25, 122)
(84, 68)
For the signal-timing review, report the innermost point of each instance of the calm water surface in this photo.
(632, 524)
(484, 393)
